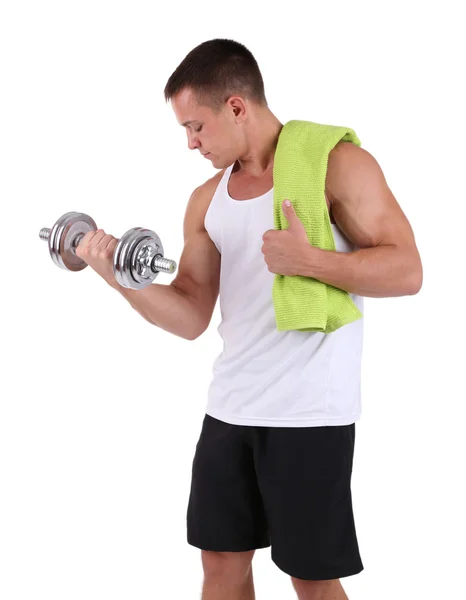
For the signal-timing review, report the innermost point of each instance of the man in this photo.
(274, 459)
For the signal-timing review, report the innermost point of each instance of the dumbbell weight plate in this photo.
(133, 256)
(65, 230)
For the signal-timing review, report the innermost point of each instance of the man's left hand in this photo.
(286, 251)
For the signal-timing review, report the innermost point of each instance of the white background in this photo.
(100, 411)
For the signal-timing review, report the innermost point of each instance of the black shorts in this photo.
(285, 487)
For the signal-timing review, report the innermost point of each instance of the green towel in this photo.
(299, 172)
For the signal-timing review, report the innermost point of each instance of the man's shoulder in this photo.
(347, 160)
(347, 149)
(209, 186)
(204, 193)
(201, 198)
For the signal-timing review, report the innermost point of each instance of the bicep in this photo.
(363, 205)
(199, 268)
(198, 272)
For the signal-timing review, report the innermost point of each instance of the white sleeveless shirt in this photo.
(264, 376)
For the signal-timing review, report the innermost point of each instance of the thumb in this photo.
(291, 216)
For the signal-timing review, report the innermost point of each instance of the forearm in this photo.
(167, 307)
(376, 272)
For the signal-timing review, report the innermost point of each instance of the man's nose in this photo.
(193, 142)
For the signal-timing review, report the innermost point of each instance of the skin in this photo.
(387, 262)
(358, 197)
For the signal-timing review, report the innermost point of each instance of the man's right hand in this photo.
(97, 249)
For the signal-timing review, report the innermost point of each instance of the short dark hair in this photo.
(216, 70)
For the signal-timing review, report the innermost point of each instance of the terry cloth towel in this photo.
(299, 172)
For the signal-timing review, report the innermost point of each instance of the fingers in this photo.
(110, 249)
(289, 211)
(84, 243)
(96, 243)
(113, 243)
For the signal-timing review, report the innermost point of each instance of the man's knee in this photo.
(318, 589)
(233, 566)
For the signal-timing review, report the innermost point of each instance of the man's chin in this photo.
(217, 162)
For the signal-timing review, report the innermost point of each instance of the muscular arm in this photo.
(366, 211)
(185, 306)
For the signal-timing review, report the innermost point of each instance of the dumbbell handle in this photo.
(45, 233)
(158, 263)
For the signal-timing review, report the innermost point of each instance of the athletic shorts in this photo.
(284, 487)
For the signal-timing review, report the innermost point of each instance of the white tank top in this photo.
(264, 376)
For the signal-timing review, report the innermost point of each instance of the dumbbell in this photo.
(137, 260)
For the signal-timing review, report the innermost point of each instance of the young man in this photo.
(274, 459)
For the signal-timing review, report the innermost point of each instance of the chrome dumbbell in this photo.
(137, 260)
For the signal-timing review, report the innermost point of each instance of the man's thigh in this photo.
(225, 509)
(304, 477)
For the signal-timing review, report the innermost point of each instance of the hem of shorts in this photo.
(259, 421)
(321, 575)
(208, 547)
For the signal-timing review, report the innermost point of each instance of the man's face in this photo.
(212, 134)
